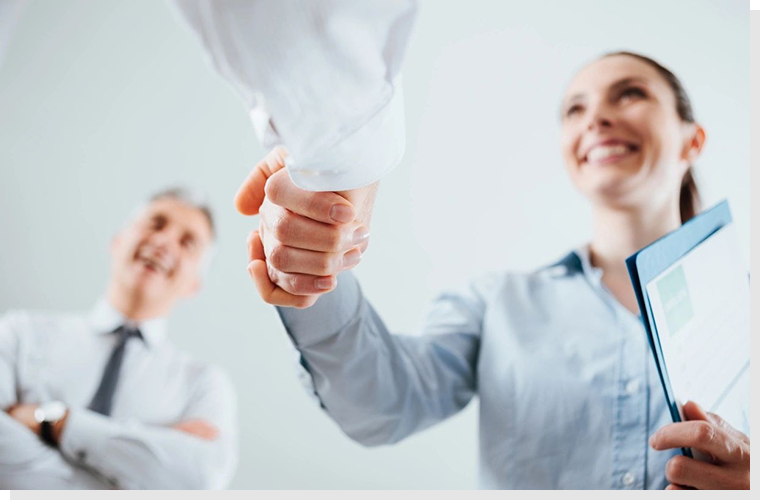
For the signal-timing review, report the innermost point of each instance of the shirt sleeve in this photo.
(381, 387)
(320, 77)
(133, 455)
(29, 464)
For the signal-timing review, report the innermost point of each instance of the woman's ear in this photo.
(695, 141)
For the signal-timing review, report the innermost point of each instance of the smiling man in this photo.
(103, 399)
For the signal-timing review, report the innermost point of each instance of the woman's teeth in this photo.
(600, 153)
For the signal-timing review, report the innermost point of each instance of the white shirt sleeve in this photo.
(320, 77)
(132, 455)
(25, 461)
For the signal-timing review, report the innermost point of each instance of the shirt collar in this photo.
(104, 318)
(577, 261)
(584, 255)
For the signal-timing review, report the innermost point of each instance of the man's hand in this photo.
(727, 448)
(304, 238)
(24, 413)
(198, 428)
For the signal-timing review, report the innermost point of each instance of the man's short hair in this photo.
(190, 198)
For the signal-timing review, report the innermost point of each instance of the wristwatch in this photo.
(46, 415)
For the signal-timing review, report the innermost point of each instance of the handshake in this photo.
(305, 238)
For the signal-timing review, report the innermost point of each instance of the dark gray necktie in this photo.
(103, 398)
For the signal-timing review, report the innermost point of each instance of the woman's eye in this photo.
(632, 92)
(574, 109)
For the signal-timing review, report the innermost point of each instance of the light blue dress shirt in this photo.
(569, 393)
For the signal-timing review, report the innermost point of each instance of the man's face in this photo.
(157, 258)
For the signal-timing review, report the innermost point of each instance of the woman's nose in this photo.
(599, 119)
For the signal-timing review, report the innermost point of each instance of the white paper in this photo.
(700, 305)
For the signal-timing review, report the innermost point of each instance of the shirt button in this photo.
(632, 387)
(628, 479)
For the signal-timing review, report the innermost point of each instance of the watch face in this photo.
(50, 412)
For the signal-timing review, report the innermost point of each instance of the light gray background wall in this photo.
(103, 102)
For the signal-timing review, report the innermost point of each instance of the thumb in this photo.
(250, 194)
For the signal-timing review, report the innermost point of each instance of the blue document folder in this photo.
(646, 264)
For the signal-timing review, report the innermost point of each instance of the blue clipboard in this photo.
(652, 260)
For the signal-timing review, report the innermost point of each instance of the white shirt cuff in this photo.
(85, 431)
(358, 159)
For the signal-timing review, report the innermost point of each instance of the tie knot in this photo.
(127, 331)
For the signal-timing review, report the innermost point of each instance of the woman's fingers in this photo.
(268, 290)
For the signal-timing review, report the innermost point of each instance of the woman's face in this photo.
(623, 142)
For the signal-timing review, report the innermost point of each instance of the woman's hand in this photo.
(304, 238)
(727, 449)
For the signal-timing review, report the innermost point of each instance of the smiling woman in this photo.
(569, 394)
(625, 91)
(629, 140)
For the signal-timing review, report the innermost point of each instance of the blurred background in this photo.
(102, 103)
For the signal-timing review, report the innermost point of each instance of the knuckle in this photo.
(278, 257)
(292, 283)
(674, 469)
(282, 227)
(738, 451)
(705, 433)
(327, 265)
(334, 239)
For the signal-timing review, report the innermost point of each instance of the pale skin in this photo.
(155, 262)
(626, 150)
(635, 195)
